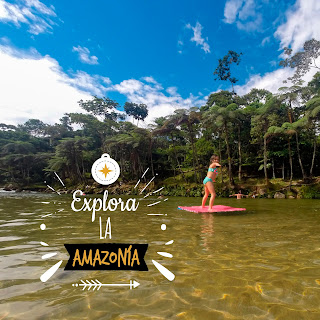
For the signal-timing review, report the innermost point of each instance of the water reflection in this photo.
(207, 230)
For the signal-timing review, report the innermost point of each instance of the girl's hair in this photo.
(213, 158)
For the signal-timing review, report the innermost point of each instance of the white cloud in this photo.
(84, 55)
(197, 37)
(88, 83)
(302, 24)
(159, 104)
(31, 12)
(248, 10)
(253, 25)
(231, 10)
(272, 81)
(180, 46)
(265, 41)
(273, 63)
(244, 14)
(34, 86)
(150, 80)
(172, 90)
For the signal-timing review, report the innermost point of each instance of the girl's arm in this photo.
(214, 165)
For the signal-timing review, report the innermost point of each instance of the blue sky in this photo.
(162, 53)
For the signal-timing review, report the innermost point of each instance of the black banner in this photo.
(106, 256)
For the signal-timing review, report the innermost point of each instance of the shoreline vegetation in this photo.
(268, 143)
(252, 188)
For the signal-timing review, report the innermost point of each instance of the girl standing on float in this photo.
(209, 180)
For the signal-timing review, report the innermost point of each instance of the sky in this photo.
(160, 53)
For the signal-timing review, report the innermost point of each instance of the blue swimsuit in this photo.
(207, 179)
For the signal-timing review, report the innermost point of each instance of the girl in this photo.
(209, 180)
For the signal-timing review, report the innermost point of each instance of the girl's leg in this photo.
(206, 195)
(210, 187)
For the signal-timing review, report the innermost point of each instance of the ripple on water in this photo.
(252, 266)
(268, 266)
(269, 244)
(26, 213)
(10, 238)
(17, 224)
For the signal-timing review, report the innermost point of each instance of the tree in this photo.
(69, 158)
(223, 71)
(314, 84)
(21, 162)
(286, 130)
(167, 127)
(265, 117)
(292, 96)
(257, 96)
(188, 119)
(137, 111)
(104, 108)
(59, 130)
(34, 127)
(313, 117)
(222, 98)
(133, 144)
(94, 128)
(302, 61)
(7, 127)
(240, 118)
(224, 117)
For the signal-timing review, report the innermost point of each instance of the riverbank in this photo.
(255, 188)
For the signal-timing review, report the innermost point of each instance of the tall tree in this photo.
(103, 108)
(224, 117)
(34, 127)
(137, 111)
(313, 117)
(265, 117)
(69, 158)
(223, 70)
(293, 96)
(167, 127)
(188, 119)
(302, 61)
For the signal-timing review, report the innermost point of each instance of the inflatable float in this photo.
(217, 208)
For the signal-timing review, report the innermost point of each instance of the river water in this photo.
(260, 264)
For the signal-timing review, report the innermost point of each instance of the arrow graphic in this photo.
(96, 284)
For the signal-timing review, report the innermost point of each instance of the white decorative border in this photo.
(96, 284)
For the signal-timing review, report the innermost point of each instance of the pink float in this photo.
(217, 208)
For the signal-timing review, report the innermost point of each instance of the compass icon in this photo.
(105, 170)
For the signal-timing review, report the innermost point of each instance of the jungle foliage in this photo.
(259, 134)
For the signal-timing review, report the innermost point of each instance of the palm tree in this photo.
(167, 127)
(265, 117)
(69, 158)
(240, 117)
(313, 115)
(292, 96)
(188, 119)
(224, 117)
(285, 130)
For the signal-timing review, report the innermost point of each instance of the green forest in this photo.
(262, 138)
